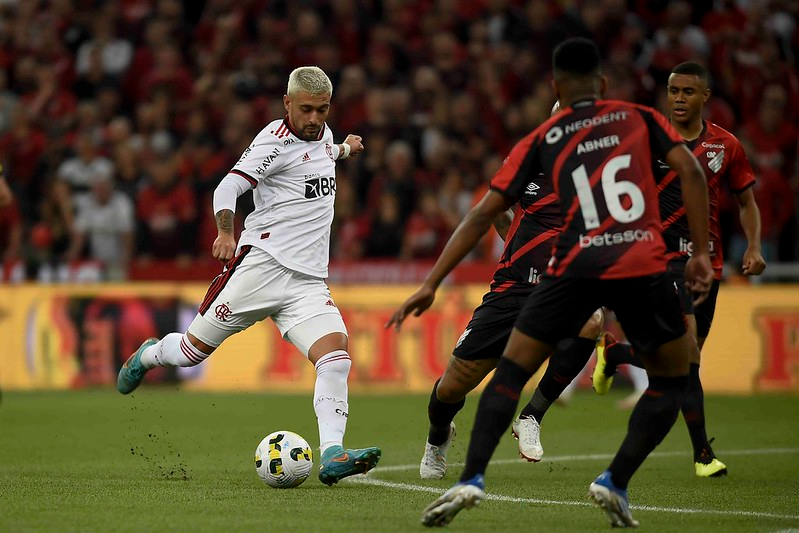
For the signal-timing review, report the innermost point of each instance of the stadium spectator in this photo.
(386, 228)
(427, 229)
(104, 227)
(166, 209)
(88, 162)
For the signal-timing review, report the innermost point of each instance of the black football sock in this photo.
(620, 354)
(650, 422)
(494, 414)
(693, 411)
(440, 415)
(564, 365)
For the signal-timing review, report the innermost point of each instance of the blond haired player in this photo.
(278, 267)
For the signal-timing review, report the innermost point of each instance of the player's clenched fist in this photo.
(356, 144)
(224, 247)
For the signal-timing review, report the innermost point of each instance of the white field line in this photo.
(595, 457)
(369, 480)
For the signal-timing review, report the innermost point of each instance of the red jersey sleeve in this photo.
(740, 175)
(518, 168)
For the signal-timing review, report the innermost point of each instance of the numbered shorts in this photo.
(487, 333)
(254, 286)
(704, 312)
(647, 307)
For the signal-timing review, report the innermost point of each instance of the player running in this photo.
(610, 252)
(528, 247)
(722, 159)
(279, 266)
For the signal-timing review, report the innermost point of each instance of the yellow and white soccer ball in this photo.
(283, 459)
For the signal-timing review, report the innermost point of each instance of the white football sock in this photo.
(330, 398)
(173, 350)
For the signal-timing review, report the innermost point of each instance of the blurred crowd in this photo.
(119, 117)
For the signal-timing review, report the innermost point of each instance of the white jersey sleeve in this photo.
(295, 188)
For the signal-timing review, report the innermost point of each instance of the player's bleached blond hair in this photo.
(311, 80)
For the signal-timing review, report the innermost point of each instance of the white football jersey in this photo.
(295, 187)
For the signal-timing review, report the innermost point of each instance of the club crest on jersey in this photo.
(329, 151)
(716, 160)
(531, 188)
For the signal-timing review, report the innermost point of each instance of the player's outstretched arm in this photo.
(749, 213)
(465, 237)
(698, 271)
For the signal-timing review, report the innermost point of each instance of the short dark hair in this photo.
(577, 56)
(691, 68)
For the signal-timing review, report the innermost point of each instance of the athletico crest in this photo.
(716, 160)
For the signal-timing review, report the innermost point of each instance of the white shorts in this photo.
(254, 286)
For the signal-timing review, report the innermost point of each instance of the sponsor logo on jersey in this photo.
(607, 118)
(687, 247)
(716, 160)
(289, 141)
(663, 166)
(319, 187)
(554, 135)
(267, 161)
(531, 188)
(612, 239)
(711, 145)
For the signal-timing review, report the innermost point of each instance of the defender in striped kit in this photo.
(278, 267)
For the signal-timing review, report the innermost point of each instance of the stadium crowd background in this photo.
(118, 118)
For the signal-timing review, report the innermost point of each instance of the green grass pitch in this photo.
(165, 460)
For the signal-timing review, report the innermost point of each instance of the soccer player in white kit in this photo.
(279, 266)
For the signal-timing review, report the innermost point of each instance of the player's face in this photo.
(687, 95)
(307, 113)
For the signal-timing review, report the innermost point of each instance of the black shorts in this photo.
(487, 333)
(648, 309)
(704, 312)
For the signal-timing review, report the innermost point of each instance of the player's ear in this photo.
(286, 102)
(705, 95)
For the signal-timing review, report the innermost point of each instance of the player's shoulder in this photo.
(274, 132)
(718, 135)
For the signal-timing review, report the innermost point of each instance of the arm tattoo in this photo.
(224, 221)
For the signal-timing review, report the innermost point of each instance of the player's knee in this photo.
(334, 364)
(203, 347)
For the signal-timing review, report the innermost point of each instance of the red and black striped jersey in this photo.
(528, 245)
(722, 158)
(600, 155)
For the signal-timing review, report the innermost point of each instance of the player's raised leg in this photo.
(564, 366)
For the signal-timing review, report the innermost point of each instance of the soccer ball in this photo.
(283, 460)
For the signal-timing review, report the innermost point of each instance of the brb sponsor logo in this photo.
(317, 187)
(612, 239)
